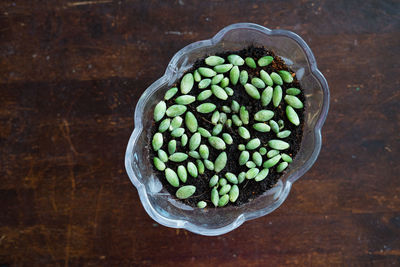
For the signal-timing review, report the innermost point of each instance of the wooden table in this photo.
(71, 74)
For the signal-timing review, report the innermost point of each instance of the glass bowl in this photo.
(166, 209)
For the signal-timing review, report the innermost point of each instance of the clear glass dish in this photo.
(163, 207)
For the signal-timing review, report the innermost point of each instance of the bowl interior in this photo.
(157, 201)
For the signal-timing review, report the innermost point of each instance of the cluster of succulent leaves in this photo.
(180, 123)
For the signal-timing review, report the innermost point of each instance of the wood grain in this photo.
(71, 73)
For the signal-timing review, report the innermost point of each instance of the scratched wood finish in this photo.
(70, 76)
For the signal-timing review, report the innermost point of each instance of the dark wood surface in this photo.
(70, 76)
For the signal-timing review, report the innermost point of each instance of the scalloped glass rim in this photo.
(171, 71)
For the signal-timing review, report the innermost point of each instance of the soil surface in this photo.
(249, 189)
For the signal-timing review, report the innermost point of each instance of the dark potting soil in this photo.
(249, 189)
